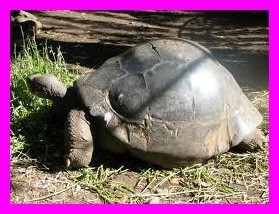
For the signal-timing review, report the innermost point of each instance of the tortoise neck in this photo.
(64, 104)
(69, 100)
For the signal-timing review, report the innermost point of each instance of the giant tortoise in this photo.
(167, 102)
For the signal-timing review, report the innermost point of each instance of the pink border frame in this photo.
(7, 5)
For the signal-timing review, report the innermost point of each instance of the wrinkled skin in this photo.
(168, 102)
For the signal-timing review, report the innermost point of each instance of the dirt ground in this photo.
(238, 40)
(88, 38)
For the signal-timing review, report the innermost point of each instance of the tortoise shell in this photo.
(168, 101)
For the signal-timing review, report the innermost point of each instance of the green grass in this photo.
(29, 113)
(229, 178)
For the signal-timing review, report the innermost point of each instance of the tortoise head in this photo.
(46, 86)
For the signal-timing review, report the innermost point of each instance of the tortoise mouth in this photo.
(31, 83)
(35, 86)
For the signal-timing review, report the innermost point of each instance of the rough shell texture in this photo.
(169, 100)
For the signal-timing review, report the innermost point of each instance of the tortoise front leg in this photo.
(78, 140)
